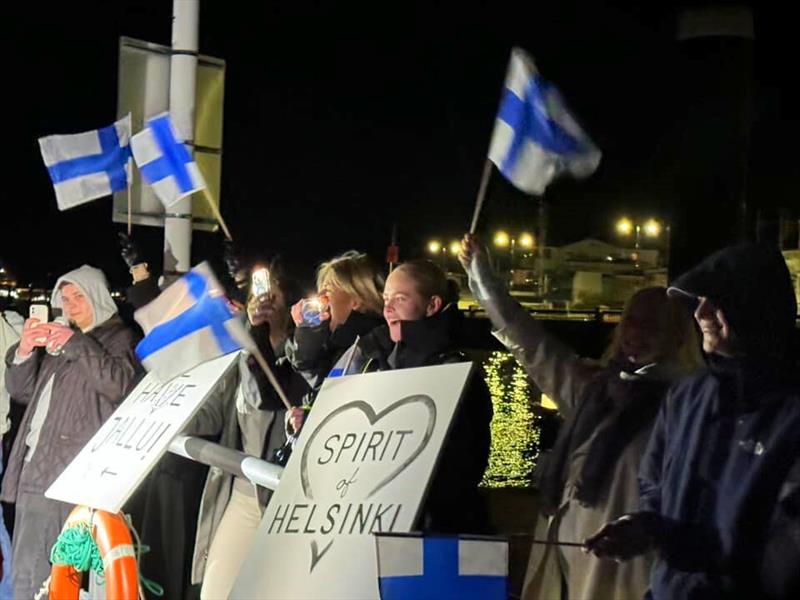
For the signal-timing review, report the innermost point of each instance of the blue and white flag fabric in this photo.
(441, 568)
(165, 162)
(535, 137)
(189, 323)
(87, 166)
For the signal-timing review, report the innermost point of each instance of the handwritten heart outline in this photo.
(373, 418)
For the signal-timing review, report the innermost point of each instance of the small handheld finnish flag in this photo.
(187, 324)
(87, 166)
(535, 138)
(441, 568)
(165, 162)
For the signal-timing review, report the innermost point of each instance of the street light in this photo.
(526, 241)
(455, 247)
(652, 228)
(434, 247)
(625, 226)
(502, 239)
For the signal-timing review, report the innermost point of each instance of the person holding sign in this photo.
(590, 476)
(423, 328)
(71, 375)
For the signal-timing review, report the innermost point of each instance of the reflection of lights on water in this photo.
(515, 429)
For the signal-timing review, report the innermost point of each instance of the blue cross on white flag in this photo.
(535, 137)
(165, 162)
(187, 324)
(441, 568)
(87, 166)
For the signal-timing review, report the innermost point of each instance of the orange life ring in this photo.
(110, 532)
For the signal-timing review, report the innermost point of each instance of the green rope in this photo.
(76, 547)
(148, 584)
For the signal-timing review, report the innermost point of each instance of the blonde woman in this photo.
(590, 476)
(350, 304)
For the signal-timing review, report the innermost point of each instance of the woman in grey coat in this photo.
(609, 411)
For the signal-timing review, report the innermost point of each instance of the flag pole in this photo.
(487, 171)
(271, 376)
(130, 218)
(217, 215)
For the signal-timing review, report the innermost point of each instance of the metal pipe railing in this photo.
(255, 470)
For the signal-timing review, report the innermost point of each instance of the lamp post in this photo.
(651, 228)
(503, 240)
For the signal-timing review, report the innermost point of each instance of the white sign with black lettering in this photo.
(362, 465)
(120, 455)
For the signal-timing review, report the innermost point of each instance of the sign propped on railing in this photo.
(120, 455)
(362, 465)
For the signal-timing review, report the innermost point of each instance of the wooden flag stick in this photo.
(557, 543)
(271, 377)
(487, 171)
(130, 218)
(217, 215)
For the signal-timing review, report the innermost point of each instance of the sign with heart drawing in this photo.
(363, 462)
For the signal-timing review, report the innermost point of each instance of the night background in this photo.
(341, 120)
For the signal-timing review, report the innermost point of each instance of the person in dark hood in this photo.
(71, 375)
(609, 410)
(725, 441)
(423, 328)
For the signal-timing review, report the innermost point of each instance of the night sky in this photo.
(341, 120)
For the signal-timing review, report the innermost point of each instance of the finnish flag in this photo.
(535, 137)
(87, 166)
(165, 162)
(441, 568)
(189, 323)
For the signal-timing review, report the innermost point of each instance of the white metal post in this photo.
(182, 84)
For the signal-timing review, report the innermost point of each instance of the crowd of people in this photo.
(675, 468)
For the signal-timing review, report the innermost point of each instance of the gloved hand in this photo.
(233, 262)
(129, 250)
(474, 258)
(629, 536)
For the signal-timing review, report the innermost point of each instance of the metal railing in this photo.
(255, 470)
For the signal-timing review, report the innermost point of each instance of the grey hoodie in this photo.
(81, 386)
(94, 286)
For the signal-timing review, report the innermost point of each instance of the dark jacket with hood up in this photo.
(725, 440)
(453, 503)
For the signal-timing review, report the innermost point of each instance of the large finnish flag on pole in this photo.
(189, 323)
(165, 162)
(90, 165)
(535, 138)
(441, 568)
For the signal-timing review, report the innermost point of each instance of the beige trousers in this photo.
(230, 545)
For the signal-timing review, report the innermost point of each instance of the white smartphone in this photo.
(260, 282)
(39, 311)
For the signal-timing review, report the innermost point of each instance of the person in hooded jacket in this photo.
(423, 327)
(609, 409)
(71, 376)
(722, 452)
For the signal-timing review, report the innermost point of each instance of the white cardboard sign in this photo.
(119, 456)
(361, 465)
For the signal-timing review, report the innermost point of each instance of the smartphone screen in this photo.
(260, 282)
